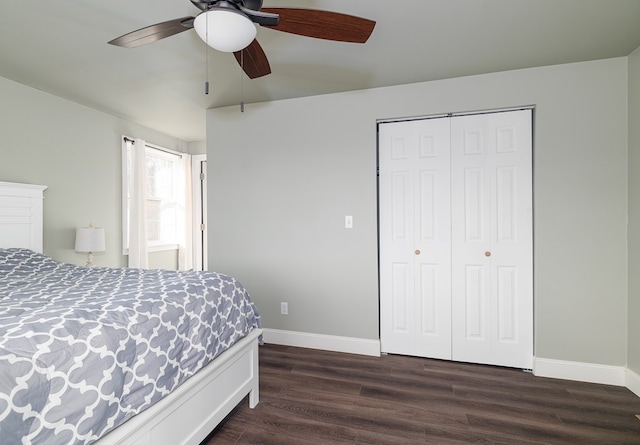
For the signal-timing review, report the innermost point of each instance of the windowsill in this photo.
(157, 248)
(162, 248)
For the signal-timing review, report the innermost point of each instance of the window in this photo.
(164, 196)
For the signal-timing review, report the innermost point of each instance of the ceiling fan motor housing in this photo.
(204, 5)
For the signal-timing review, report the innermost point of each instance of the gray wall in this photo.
(283, 175)
(76, 152)
(634, 213)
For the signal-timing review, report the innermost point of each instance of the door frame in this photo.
(199, 196)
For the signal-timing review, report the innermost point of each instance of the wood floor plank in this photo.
(276, 419)
(317, 382)
(553, 434)
(451, 405)
(558, 405)
(352, 417)
(310, 397)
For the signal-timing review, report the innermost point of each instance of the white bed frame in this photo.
(195, 408)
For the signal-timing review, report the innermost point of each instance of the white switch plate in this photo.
(284, 308)
(348, 222)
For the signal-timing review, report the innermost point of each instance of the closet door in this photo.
(492, 242)
(456, 238)
(415, 238)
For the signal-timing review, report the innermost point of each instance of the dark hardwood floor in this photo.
(310, 397)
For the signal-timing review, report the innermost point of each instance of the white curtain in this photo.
(138, 252)
(185, 244)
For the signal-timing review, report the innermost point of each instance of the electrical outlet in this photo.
(284, 308)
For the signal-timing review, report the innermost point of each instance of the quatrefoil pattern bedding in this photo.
(83, 350)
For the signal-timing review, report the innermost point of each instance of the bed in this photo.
(114, 356)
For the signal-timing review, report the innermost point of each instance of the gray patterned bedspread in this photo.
(83, 350)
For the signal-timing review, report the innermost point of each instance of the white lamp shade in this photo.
(90, 239)
(225, 30)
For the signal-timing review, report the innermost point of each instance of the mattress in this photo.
(82, 350)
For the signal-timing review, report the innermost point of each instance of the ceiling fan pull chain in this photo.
(241, 83)
(206, 59)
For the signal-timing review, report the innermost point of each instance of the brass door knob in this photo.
(487, 254)
(417, 252)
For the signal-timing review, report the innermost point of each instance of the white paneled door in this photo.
(456, 251)
(415, 237)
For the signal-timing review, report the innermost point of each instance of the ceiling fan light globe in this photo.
(225, 30)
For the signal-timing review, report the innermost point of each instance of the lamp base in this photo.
(89, 260)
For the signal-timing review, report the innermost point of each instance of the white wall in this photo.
(634, 213)
(283, 175)
(76, 152)
(197, 147)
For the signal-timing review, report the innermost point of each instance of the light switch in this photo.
(348, 222)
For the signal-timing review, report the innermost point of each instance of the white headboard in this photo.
(21, 216)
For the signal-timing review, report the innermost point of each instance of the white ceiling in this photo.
(59, 46)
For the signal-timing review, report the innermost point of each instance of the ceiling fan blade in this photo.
(253, 60)
(152, 33)
(326, 25)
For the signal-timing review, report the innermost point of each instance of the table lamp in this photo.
(90, 240)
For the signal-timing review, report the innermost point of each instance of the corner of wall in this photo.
(633, 216)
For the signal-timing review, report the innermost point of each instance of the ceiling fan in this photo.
(228, 25)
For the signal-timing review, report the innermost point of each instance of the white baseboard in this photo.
(633, 382)
(583, 372)
(319, 341)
